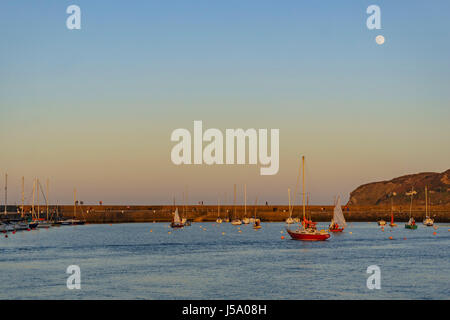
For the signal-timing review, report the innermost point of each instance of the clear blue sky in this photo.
(94, 108)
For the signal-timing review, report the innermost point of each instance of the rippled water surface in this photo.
(210, 261)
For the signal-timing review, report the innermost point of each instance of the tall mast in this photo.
(245, 200)
(218, 208)
(234, 201)
(32, 205)
(303, 185)
(46, 197)
(23, 194)
(6, 190)
(410, 206)
(289, 196)
(38, 205)
(74, 202)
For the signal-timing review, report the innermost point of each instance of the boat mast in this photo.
(38, 205)
(74, 202)
(234, 201)
(289, 196)
(6, 191)
(218, 208)
(46, 197)
(426, 202)
(23, 194)
(32, 205)
(245, 200)
(303, 186)
(410, 206)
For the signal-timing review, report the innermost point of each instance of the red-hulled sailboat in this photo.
(307, 231)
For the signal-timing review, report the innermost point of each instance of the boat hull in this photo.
(308, 236)
(409, 226)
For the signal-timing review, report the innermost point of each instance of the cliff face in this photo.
(380, 193)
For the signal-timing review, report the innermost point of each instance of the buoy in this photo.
(151, 230)
(14, 232)
(281, 232)
(30, 229)
(434, 233)
(6, 236)
(282, 237)
(223, 233)
(350, 232)
(239, 231)
(169, 232)
(390, 238)
(404, 238)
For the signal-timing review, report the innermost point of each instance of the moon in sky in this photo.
(379, 39)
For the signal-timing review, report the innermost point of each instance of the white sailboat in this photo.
(428, 221)
(176, 222)
(245, 220)
(338, 222)
(235, 221)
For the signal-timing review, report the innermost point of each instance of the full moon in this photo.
(379, 39)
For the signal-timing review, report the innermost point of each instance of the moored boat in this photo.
(176, 221)
(308, 230)
(411, 224)
(338, 222)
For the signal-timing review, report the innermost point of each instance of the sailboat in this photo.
(176, 221)
(392, 224)
(308, 231)
(218, 220)
(289, 220)
(411, 223)
(235, 221)
(338, 222)
(245, 220)
(256, 221)
(428, 221)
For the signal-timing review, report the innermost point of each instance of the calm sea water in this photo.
(127, 261)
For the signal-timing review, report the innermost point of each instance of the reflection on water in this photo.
(144, 261)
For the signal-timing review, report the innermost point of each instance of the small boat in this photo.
(72, 222)
(381, 223)
(256, 221)
(289, 220)
(44, 224)
(411, 223)
(236, 222)
(308, 230)
(257, 224)
(338, 222)
(245, 220)
(392, 224)
(21, 226)
(176, 221)
(428, 221)
(218, 220)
